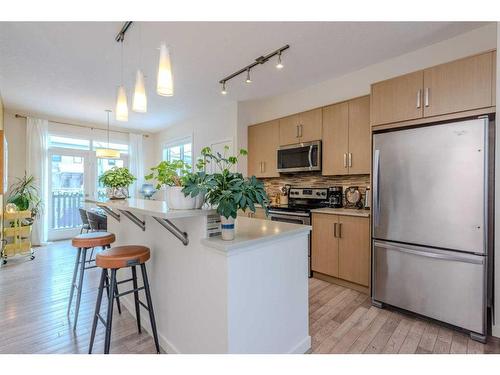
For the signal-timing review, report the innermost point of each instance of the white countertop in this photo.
(150, 207)
(342, 211)
(251, 232)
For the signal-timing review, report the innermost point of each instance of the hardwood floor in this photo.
(34, 295)
(344, 321)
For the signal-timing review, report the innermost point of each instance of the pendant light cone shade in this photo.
(165, 83)
(121, 105)
(139, 102)
(107, 152)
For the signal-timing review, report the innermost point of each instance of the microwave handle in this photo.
(309, 156)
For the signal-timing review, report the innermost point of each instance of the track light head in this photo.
(279, 65)
(223, 91)
(248, 80)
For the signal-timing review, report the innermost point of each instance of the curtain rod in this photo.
(82, 126)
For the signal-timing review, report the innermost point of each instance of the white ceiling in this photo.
(71, 70)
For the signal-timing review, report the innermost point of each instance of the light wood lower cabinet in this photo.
(341, 247)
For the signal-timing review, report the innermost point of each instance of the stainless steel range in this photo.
(298, 210)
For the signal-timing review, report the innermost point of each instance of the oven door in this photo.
(289, 217)
(300, 157)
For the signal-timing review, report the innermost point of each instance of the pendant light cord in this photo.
(121, 62)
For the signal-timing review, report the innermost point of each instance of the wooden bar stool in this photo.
(84, 242)
(114, 259)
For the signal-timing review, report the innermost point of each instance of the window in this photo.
(181, 150)
(65, 142)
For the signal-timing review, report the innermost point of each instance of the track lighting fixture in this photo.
(279, 65)
(258, 60)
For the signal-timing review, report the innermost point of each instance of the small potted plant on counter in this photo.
(227, 190)
(171, 177)
(116, 181)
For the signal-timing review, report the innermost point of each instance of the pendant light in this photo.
(165, 83)
(223, 91)
(139, 101)
(279, 65)
(121, 112)
(107, 152)
(248, 80)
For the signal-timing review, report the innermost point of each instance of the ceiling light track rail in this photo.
(258, 61)
(120, 37)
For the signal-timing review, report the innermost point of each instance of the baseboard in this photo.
(344, 283)
(302, 347)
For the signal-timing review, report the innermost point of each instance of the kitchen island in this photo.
(249, 295)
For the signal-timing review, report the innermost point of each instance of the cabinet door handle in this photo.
(419, 94)
(350, 160)
(427, 93)
(296, 131)
(335, 230)
(301, 129)
(345, 160)
(340, 230)
(263, 166)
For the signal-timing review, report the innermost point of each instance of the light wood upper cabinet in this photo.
(346, 137)
(310, 125)
(289, 130)
(359, 156)
(301, 127)
(263, 142)
(341, 247)
(354, 249)
(325, 246)
(458, 86)
(397, 99)
(335, 139)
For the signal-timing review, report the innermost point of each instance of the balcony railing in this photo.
(64, 208)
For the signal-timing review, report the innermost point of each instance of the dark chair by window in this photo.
(85, 221)
(98, 223)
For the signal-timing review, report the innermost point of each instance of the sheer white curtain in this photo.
(136, 162)
(37, 166)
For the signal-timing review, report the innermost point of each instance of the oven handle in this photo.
(285, 214)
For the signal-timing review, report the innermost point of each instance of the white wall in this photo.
(217, 125)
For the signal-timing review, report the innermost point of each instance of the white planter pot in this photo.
(177, 201)
(227, 228)
(117, 192)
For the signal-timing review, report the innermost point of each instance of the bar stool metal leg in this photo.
(109, 319)
(106, 283)
(97, 309)
(136, 299)
(150, 306)
(80, 285)
(75, 273)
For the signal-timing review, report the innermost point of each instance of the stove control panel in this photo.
(309, 193)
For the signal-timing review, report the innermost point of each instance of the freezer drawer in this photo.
(445, 285)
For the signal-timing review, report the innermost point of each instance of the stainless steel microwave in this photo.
(300, 157)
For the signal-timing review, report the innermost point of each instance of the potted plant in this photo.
(171, 177)
(24, 195)
(116, 181)
(227, 190)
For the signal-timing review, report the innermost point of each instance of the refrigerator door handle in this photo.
(376, 188)
(416, 251)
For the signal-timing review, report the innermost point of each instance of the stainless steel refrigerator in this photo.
(430, 222)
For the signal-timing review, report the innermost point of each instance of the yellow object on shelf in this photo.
(16, 237)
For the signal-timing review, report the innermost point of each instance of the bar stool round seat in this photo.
(122, 256)
(93, 239)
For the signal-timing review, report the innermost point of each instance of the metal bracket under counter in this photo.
(168, 225)
(110, 212)
(140, 223)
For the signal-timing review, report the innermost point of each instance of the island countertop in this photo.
(150, 207)
(252, 232)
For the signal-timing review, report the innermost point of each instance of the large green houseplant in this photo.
(227, 190)
(116, 181)
(171, 177)
(25, 195)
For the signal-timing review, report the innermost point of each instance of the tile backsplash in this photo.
(315, 179)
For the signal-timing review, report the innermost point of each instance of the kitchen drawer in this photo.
(445, 285)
